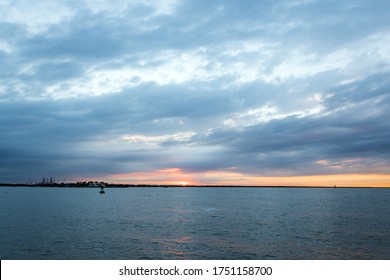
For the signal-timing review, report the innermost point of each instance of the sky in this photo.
(251, 92)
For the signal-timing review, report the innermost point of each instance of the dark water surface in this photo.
(194, 223)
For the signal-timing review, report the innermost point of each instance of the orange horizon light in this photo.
(175, 176)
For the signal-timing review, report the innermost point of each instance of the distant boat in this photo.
(102, 190)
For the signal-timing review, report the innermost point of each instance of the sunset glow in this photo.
(176, 176)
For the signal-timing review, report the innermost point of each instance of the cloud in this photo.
(287, 88)
(354, 128)
(35, 16)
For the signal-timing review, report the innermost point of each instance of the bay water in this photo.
(194, 223)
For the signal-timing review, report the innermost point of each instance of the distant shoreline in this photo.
(107, 185)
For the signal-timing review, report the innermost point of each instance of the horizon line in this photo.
(129, 185)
